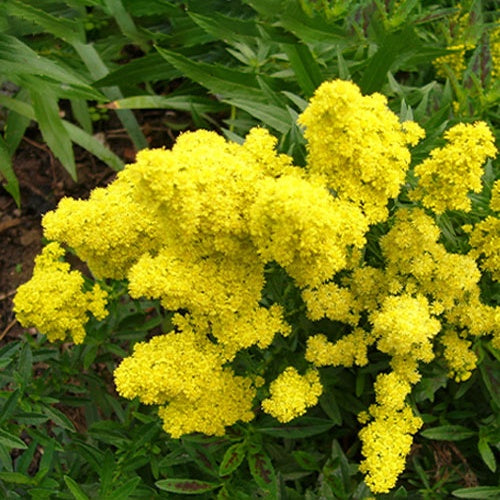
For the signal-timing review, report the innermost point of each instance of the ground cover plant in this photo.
(299, 303)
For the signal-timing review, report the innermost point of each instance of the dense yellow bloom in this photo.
(404, 326)
(458, 355)
(331, 301)
(418, 263)
(348, 350)
(495, 196)
(485, 243)
(292, 394)
(110, 231)
(386, 441)
(54, 301)
(185, 371)
(358, 145)
(450, 173)
(299, 225)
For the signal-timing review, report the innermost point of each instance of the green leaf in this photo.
(59, 418)
(305, 427)
(91, 144)
(307, 71)
(221, 80)
(15, 478)
(76, 491)
(232, 459)
(395, 48)
(9, 405)
(487, 454)
(448, 433)
(270, 115)
(17, 59)
(127, 26)
(6, 170)
(125, 490)
(229, 29)
(478, 492)
(179, 102)
(11, 441)
(186, 486)
(66, 29)
(53, 131)
(149, 68)
(262, 471)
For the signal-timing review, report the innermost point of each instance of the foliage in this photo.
(66, 433)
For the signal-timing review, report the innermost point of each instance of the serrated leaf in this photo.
(232, 459)
(262, 471)
(306, 427)
(478, 492)
(448, 433)
(11, 441)
(221, 80)
(75, 489)
(66, 29)
(186, 486)
(226, 28)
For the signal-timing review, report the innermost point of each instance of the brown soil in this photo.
(43, 182)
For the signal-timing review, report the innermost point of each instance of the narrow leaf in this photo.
(232, 459)
(262, 471)
(448, 433)
(478, 492)
(125, 490)
(59, 418)
(11, 441)
(307, 427)
(218, 79)
(487, 454)
(186, 486)
(15, 478)
(307, 71)
(53, 131)
(7, 172)
(76, 491)
(91, 144)
(180, 102)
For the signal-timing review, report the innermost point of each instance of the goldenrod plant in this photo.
(274, 282)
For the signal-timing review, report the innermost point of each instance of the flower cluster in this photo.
(54, 300)
(448, 176)
(202, 227)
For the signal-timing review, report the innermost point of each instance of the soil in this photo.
(43, 182)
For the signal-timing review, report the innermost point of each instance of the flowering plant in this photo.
(276, 281)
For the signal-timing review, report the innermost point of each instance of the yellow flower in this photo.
(358, 144)
(292, 394)
(450, 173)
(460, 359)
(53, 301)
